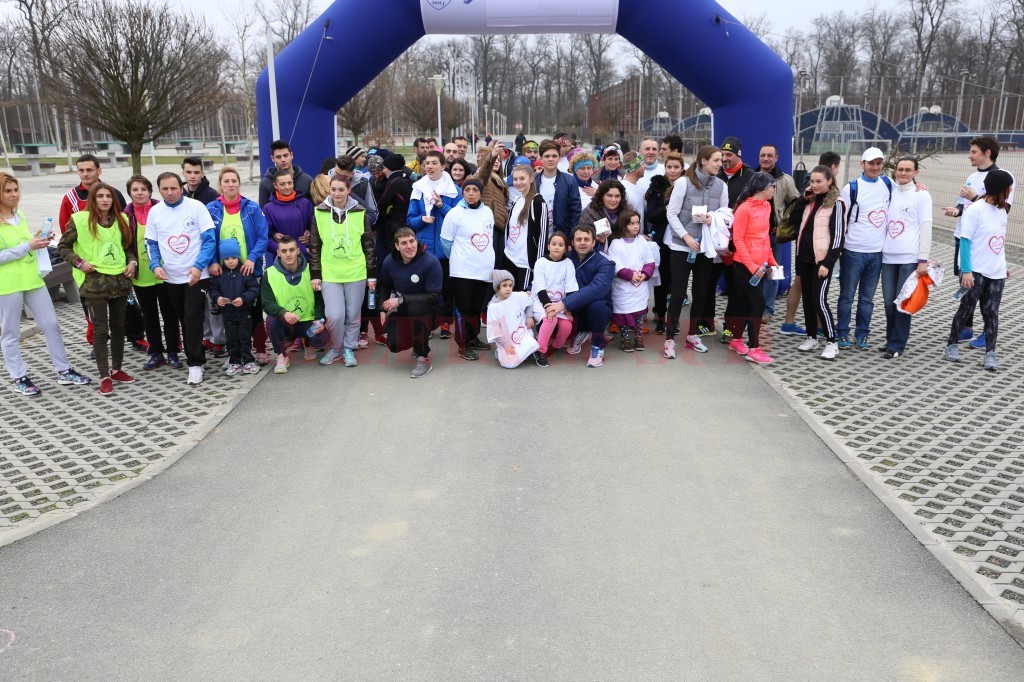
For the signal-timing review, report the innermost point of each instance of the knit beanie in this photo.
(394, 162)
(229, 249)
(499, 276)
(355, 151)
(732, 144)
(473, 182)
(374, 163)
(996, 181)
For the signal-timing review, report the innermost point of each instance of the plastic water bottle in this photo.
(316, 328)
(131, 296)
(47, 229)
(371, 296)
(692, 257)
(756, 279)
(960, 293)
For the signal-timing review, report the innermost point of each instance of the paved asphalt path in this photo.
(648, 520)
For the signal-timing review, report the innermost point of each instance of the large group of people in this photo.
(549, 246)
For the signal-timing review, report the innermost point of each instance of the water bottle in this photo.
(755, 279)
(316, 328)
(960, 293)
(692, 257)
(371, 299)
(47, 229)
(131, 296)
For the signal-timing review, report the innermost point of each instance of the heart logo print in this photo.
(480, 241)
(555, 295)
(896, 228)
(179, 243)
(996, 244)
(513, 233)
(517, 335)
(877, 217)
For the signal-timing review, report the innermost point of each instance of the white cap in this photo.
(872, 153)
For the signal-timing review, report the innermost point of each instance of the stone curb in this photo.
(1009, 618)
(55, 517)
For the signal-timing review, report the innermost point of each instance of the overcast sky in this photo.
(783, 13)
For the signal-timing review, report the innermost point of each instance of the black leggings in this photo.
(747, 303)
(661, 291)
(990, 293)
(470, 298)
(815, 295)
(969, 320)
(681, 269)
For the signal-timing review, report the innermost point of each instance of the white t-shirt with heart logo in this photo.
(634, 254)
(867, 234)
(178, 231)
(471, 232)
(908, 211)
(508, 318)
(558, 278)
(985, 226)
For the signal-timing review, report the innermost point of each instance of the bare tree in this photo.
(286, 20)
(419, 106)
(360, 110)
(133, 89)
(246, 61)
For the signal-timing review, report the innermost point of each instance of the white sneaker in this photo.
(576, 345)
(809, 344)
(831, 351)
(195, 375)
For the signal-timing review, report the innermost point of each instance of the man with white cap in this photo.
(860, 266)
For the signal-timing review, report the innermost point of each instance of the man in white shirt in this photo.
(867, 199)
(982, 156)
(181, 242)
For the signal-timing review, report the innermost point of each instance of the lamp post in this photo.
(487, 114)
(960, 101)
(472, 130)
(438, 80)
(800, 107)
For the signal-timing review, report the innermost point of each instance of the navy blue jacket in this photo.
(567, 207)
(419, 280)
(232, 284)
(594, 277)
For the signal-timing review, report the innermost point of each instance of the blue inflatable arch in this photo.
(748, 87)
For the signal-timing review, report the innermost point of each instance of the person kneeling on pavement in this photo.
(409, 283)
(294, 311)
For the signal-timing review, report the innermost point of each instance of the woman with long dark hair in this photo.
(699, 186)
(608, 200)
(656, 214)
(751, 226)
(106, 252)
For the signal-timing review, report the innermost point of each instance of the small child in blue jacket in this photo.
(234, 294)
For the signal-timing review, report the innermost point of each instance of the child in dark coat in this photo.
(235, 293)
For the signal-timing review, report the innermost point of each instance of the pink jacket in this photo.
(750, 226)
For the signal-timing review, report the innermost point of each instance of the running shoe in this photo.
(576, 345)
(759, 356)
(122, 377)
(695, 344)
(793, 329)
(739, 347)
(978, 342)
(70, 377)
(25, 386)
(350, 357)
(596, 357)
(330, 357)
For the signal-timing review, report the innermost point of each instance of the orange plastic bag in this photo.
(917, 300)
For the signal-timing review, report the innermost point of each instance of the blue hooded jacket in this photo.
(429, 234)
(254, 224)
(594, 275)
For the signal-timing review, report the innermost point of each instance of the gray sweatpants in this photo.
(39, 303)
(343, 304)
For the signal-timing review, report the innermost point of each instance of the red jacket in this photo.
(750, 226)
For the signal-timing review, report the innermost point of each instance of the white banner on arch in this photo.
(519, 16)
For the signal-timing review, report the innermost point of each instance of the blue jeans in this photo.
(857, 272)
(897, 324)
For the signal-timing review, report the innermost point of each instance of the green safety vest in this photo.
(104, 251)
(21, 274)
(144, 277)
(231, 228)
(341, 249)
(296, 298)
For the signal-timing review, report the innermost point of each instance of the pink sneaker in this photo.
(670, 349)
(739, 347)
(364, 340)
(759, 356)
(694, 343)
